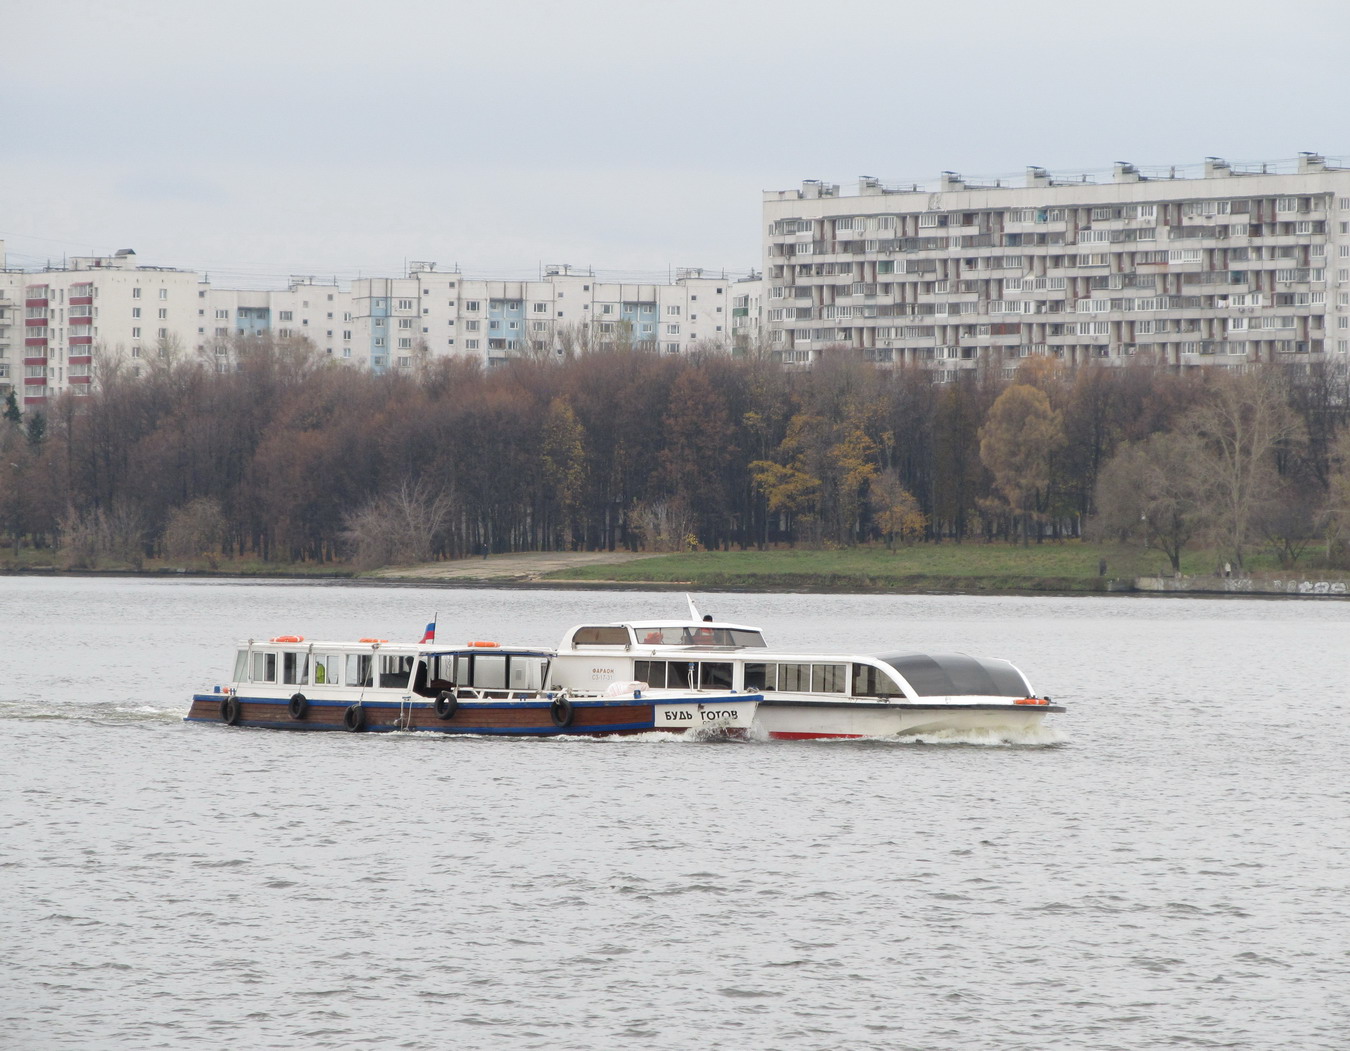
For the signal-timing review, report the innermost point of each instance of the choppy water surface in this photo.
(1167, 870)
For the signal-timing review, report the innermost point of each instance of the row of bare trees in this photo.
(292, 458)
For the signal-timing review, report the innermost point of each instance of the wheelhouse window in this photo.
(601, 635)
(241, 665)
(697, 635)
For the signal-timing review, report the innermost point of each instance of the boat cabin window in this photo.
(714, 675)
(326, 669)
(813, 678)
(482, 671)
(489, 671)
(264, 667)
(394, 671)
(601, 635)
(293, 669)
(653, 673)
(681, 675)
(829, 678)
(870, 681)
(761, 677)
(359, 669)
(240, 666)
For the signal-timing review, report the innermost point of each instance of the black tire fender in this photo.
(354, 718)
(560, 711)
(298, 707)
(231, 711)
(446, 704)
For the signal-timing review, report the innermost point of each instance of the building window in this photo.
(472, 304)
(163, 313)
(135, 311)
(673, 311)
(405, 304)
(163, 293)
(285, 315)
(540, 308)
(672, 330)
(471, 344)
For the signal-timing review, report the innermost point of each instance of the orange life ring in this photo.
(372, 640)
(289, 638)
(484, 645)
(1032, 700)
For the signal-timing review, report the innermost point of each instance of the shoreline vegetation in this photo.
(840, 476)
(980, 568)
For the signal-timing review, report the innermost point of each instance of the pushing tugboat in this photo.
(289, 683)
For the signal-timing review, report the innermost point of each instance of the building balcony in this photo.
(41, 360)
(81, 301)
(36, 302)
(35, 322)
(82, 319)
(81, 341)
(35, 341)
(81, 379)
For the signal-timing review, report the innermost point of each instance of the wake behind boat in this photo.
(288, 683)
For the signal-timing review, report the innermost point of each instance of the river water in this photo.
(1166, 868)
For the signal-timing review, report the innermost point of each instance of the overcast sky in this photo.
(256, 140)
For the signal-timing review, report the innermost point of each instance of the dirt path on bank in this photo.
(527, 565)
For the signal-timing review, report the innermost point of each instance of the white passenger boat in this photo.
(805, 695)
(288, 683)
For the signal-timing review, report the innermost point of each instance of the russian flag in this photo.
(430, 634)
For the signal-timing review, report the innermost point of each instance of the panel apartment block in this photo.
(1230, 268)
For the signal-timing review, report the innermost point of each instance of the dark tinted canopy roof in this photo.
(956, 674)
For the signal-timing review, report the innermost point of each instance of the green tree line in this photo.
(292, 458)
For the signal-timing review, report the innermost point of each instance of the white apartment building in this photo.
(55, 324)
(435, 313)
(58, 326)
(1228, 268)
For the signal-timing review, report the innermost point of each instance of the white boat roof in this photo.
(389, 645)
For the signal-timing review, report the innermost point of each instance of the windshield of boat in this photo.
(958, 675)
(698, 635)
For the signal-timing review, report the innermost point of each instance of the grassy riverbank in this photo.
(971, 567)
(1068, 566)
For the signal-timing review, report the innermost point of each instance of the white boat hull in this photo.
(798, 720)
